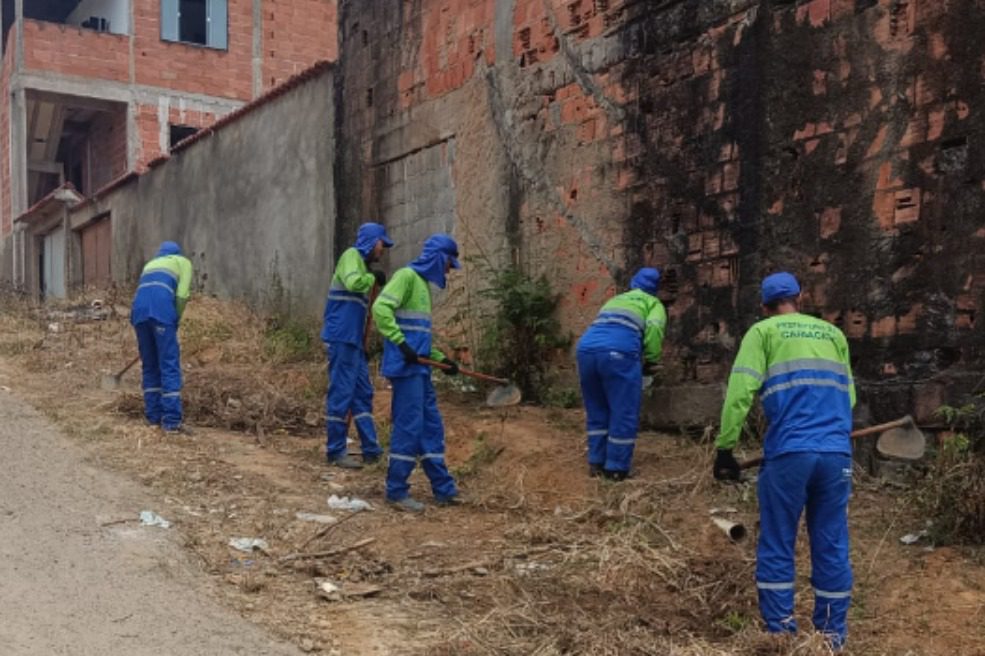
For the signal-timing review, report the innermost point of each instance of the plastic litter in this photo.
(345, 503)
(248, 544)
(312, 517)
(148, 518)
(328, 590)
(913, 538)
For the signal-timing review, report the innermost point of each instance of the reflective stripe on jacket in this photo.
(163, 290)
(799, 366)
(402, 313)
(348, 300)
(633, 322)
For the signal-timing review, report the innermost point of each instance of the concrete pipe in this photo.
(733, 530)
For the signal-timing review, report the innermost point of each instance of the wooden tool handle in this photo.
(904, 421)
(369, 316)
(127, 368)
(862, 432)
(465, 372)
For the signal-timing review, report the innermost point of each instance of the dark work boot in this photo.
(594, 471)
(407, 505)
(615, 476)
(346, 462)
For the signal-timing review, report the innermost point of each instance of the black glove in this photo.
(650, 368)
(726, 466)
(380, 278)
(410, 355)
(453, 367)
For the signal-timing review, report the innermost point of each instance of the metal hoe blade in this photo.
(503, 396)
(905, 443)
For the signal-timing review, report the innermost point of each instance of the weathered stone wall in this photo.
(717, 139)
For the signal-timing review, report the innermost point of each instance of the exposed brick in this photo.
(830, 221)
(906, 206)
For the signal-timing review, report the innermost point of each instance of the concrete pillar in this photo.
(19, 31)
(18, 149)
(257, 47)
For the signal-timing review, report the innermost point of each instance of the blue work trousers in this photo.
(160, 360)
(788, 484)
(611, 387)
(349, 391)
(417, 433)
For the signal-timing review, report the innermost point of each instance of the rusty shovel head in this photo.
(504, 396)
(906, 442)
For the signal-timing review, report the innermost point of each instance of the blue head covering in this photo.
(168, 248)
(430, 264)
(646, 279)
(779, 285)
(368, 235)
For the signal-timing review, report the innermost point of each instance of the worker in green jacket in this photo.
(350, 392)
(402, 313)
(800, 369)
(622, 344)
(162, 294)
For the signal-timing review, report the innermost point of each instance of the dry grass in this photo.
(540, 562)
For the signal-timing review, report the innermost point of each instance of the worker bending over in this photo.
(622, 344)
(162, 294)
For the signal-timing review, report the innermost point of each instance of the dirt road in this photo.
(75, 580)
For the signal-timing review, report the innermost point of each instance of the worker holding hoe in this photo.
(350, 393)
(162, 294)
(799, 366)
(403, 316)
(621, 346)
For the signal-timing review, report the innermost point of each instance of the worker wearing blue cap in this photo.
(624, 341)
(350, 393)
(799, 367)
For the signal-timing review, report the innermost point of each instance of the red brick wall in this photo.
(720, 141)
(71, 50)
(149, 128)
(296, 34)
(225, 73)
(108, 144)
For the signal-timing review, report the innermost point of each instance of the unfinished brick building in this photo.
(717, 139)
(94, 89)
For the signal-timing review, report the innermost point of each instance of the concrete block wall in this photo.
(252, 207)
(717, 139)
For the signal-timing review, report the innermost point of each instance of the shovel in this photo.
(505, 395)
(111, 382)
(900, 439)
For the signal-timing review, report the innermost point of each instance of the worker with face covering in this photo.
(622, 344)
(799, 367)
(162, 293)
(403, 316)
(350, 393)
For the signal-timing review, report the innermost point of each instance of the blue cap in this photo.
(646, 279)
(445, 244)
(779, 285)
(168, 248)
(368, 235)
